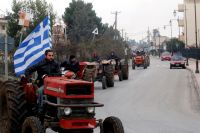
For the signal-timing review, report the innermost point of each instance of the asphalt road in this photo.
(154, 100)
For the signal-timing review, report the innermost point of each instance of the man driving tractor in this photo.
(46, 67)
(71, 65)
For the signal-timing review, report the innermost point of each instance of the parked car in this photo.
(177, 61)
(165, 56)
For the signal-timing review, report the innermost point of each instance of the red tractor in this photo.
(68, 107)
(141, 59)
(104, 71)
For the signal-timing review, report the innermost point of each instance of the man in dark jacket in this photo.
(71, 65)
(113, 56)
(47, 67)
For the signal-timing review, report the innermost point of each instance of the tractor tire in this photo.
(104, 82)
(145, 66)
(125, 71)
(77, 131)
(112, 125)
(133, 66)
(120, 75)
(109, 73)
(32, 125)
(13, 107)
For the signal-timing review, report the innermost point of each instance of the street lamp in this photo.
(195, 13)
(178, 23)
(170, 24)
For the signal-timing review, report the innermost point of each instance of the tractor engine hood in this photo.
(68, 88)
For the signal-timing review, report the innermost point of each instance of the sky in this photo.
(134, 18)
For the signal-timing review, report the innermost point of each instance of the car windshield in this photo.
(166, 53)
(177, 58)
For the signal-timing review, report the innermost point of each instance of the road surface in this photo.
(154, 100)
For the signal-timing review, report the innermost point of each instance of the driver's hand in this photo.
(44, 76)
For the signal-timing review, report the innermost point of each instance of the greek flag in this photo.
(31, 50)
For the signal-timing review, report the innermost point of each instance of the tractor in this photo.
(68, 107)
(98, 71)
(141, 59)
(104, 71)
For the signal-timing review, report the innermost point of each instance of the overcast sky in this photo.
(135, 15)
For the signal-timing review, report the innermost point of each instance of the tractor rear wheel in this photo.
(76, 131)
(109, 73)
(133, 66)
(112, 125)
(120, 75)
(145, 66)
(125, 71)
(104, 82)
(13, 107)
(32, 125)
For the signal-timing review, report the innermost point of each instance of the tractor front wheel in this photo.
(133, 66)
(120, 75)
(125, 71)
(32, 125)
(112, 125)
(109, 73)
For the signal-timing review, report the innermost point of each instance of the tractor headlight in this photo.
(90, 110)
(67, 111)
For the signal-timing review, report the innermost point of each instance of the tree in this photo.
(175, 45)
(81, 20)
(40, 8)
(13, 28)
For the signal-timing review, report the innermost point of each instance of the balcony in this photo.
(181, 23)
(181, 7)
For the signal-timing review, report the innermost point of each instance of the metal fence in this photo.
(191, 53)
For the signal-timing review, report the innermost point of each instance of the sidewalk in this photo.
(195, 76)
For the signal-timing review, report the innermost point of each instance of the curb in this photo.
(194, 81)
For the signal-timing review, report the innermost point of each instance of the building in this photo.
(3, 29)
(188, 22)
(3, 23)
(159, 42)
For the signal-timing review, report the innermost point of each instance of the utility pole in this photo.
(195, 12)
(170, 22)
(115, 23)
(122, 34)
(186, 39)
(125, 36)
(6, 57)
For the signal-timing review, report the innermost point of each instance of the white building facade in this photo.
(188, 22)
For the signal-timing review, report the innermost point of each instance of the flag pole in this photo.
(6, 57)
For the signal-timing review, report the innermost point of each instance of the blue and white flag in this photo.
(31, 50)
